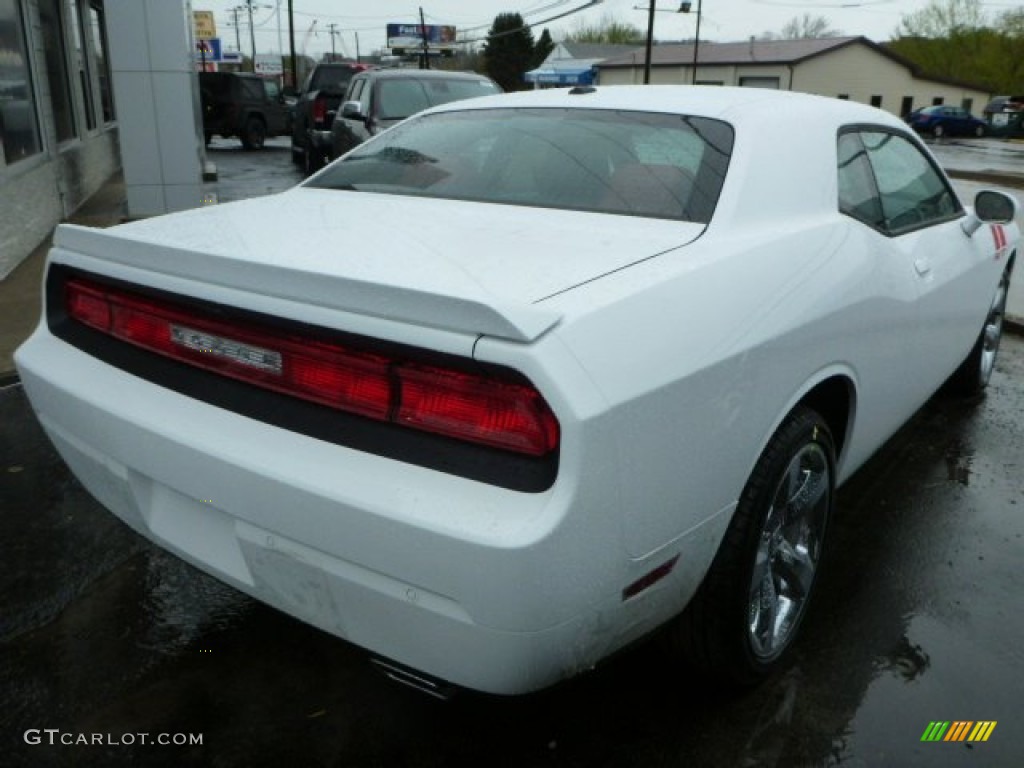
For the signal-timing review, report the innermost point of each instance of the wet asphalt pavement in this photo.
(918, 618)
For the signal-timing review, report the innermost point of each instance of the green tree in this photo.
(607, 31)
(545, 45)
(508, 51)
(942, 19)
(953, 39)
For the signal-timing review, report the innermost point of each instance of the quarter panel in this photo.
(701, 362)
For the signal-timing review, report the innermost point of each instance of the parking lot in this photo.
(917, 620)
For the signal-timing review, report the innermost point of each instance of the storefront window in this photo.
(81, 63)
(56, 69)
(99, 52)
(19, 128)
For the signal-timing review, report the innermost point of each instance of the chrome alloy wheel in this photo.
(789, 550)
(993, 332)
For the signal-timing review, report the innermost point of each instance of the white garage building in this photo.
(852, 68)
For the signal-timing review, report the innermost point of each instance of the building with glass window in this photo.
(58, 121)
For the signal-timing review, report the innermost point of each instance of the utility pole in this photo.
(249, 5)
(426, 49)
(252, 34)
(291, 44)
(238, 32)
(358, 60)
(332, 30)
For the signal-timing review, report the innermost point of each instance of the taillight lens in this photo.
(487, 410)
(319, 110)
(502, 414)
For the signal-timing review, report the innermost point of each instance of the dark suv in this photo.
(380, 98)
(243, 105)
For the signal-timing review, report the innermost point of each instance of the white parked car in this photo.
(524, 378)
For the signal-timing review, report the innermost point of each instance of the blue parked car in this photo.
(942, 121)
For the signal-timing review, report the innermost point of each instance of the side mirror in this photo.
(991, 207)
(351, 110)
(995, 207)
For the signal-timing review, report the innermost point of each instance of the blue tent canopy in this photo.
(566, 76)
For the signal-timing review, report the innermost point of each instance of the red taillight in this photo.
(487, 410)
(89, 307)
(319, 110)
(502, 414)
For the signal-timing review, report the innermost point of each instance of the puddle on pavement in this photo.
(959, 458)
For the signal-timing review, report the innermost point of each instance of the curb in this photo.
(1014, 180)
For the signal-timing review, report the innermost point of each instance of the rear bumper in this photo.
(487, 588)
(320, 140)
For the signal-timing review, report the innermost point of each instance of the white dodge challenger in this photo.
(522, 379)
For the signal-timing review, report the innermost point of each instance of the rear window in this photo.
(402, 97)
(331, 78)
(628, 163)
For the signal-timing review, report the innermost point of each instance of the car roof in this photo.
(742, 107)
(423, 74)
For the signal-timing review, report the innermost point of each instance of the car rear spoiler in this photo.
(462, 314)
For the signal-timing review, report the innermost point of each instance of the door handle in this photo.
(922, 266)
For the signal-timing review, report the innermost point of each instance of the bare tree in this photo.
(608, 30)
(808, 26)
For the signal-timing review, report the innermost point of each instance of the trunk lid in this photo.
(468, 267)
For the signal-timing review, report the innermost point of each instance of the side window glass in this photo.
(366, 98)
(857, 194)
(355, 89)
(273, 91)
(913, 193)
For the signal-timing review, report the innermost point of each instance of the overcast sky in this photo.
(723, 20)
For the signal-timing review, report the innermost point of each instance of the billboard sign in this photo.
(409, 37)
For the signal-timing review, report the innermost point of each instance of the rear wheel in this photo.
(745, 615)
(254, 133)
(938, 131)
(311, 160)
(973, 375)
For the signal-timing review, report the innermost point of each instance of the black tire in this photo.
(974, 373)
(939, 131)
(721, 632)
(311, 160)
(254, 133)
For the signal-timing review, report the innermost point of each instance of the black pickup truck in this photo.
(317, 103)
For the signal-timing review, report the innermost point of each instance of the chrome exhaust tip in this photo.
(414, 679)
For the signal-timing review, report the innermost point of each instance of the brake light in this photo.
(483, 409)
(319, 110)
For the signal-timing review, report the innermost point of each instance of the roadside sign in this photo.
(203, 25)
(269, 64)
(209, 50)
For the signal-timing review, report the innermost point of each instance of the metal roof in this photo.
(749, 52)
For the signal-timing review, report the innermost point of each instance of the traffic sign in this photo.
(203, 25)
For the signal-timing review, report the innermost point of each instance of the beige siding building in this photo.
(842, 67)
